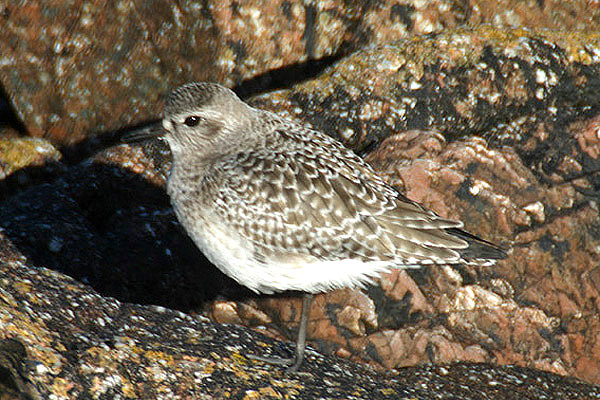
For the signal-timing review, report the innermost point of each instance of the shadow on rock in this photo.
(114, 229)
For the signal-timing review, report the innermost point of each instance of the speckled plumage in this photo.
(278, 206)
(286, 201)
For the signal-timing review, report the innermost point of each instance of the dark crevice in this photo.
(114, 230)
(285, 77)
(405, 14)
(8, 116)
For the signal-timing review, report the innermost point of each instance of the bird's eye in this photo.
(192, 121)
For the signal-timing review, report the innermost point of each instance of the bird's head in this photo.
(205, 120)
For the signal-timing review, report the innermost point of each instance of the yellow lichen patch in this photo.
(34, 336)
(99, 359)
(61, 388)
(239, 371)
(23, 287)
(129, 390)
(6, 298)
(208, 368)
(131, 346)
(17, 153)
(252, 394)
(580, 46)
(111, 382)
(160, 357)
(239, 359)
(269, 392)
(387, 391)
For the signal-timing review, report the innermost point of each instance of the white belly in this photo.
(235, 256)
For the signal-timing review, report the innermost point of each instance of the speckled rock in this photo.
(75, 69)
(532, 184)
(496, 128)
(61, 340)
(18, 153)
(499, 84)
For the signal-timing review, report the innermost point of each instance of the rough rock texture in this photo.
(75, 68)
(66, 341)
(532, 185)
(496, 127)
(26, 152)
(496, 84)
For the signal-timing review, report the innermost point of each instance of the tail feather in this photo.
(478, 249)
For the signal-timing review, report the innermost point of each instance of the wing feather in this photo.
(315, 197)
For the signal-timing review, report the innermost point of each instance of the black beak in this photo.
(140, 133)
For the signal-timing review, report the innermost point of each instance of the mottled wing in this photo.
(310, 195)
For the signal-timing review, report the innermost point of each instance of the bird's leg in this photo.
(293, 363)
(301, 341)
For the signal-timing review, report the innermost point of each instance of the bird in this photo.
(279, 206)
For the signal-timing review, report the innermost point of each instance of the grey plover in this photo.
(278, 206)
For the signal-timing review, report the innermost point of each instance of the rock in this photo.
(70, 72)
(62, 339)
(25, 162)
(74, 72)
(497, 84)
(16, 154)
(498, 128)
(532, 185)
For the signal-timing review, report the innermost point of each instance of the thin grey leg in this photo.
(301, 342)
(293, 363)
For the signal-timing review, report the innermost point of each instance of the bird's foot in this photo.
(292, 364)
